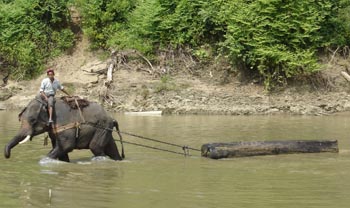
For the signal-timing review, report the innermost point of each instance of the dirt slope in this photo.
(135, 89)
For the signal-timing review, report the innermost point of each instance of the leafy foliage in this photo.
(338, 28)
(277, 38)
(274, 39)
(104, 18)
(31, 32)
(139, 29)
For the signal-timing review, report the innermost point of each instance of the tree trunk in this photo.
(254, 148)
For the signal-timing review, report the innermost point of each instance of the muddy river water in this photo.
(157, 179)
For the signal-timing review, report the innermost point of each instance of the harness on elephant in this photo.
(78, 103)
(57, 129)
(74, 103)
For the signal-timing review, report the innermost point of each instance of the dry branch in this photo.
(144, 58)
(345, 75)
(334, 53)
(110, 73)
(102, 71)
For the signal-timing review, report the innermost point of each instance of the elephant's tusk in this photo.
(25, 140)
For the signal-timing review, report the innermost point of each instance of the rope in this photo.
(184, 148)
(156, 148)
(81, 114)
(155, 140)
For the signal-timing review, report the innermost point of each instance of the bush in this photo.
(31, 32)
(277, 38)
(339, 26)
(102, 19)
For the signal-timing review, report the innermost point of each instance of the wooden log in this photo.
(255, 148)
(345, 75)
(110, 73)
(145, 113)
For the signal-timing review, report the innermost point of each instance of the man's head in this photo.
(50, 73)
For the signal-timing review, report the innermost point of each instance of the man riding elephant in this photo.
(86, 126)
(48, 89)
(83, 125)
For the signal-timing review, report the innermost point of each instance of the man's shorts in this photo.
(50, 101)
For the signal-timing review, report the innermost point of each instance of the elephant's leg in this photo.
(57, 154)
(98, 143)
(62, 157)
(54, 153)
(97, 150)
(64, 144)
(111, 150)
(53, 139)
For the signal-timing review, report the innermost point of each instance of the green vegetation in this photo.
(278, 39)
(165, 84)
(274, 39)
(31, 32)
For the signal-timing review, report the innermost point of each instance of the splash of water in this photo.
(45, 161)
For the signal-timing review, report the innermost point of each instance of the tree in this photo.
(31, 32)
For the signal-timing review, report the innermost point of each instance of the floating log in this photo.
(255, 148)
(145, 113)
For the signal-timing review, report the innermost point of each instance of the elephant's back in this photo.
(95, 111)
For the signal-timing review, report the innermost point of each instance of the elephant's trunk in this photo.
(18, 139)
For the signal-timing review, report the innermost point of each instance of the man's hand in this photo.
(44, 95)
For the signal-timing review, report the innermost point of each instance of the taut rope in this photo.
(184, 148)
(155, 140)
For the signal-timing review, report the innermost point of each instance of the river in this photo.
(157, 179)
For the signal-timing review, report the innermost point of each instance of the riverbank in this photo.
(205, 91)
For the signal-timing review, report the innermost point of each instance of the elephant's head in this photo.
(33, 120)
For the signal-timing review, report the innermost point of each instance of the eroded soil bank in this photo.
(136, 88)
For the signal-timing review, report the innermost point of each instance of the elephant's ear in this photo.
(21, 113)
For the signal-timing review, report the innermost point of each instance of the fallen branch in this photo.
(102, 71)
(334, 53)
(345, 75)
(110, 73)
(144, 58)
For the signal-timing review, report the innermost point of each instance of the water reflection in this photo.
(151, 178)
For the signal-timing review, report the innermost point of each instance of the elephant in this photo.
(73, 128)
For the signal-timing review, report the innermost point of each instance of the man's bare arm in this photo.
(63, 90)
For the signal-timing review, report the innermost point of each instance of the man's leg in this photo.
(50, 103)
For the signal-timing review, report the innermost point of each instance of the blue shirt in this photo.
(50, 88)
